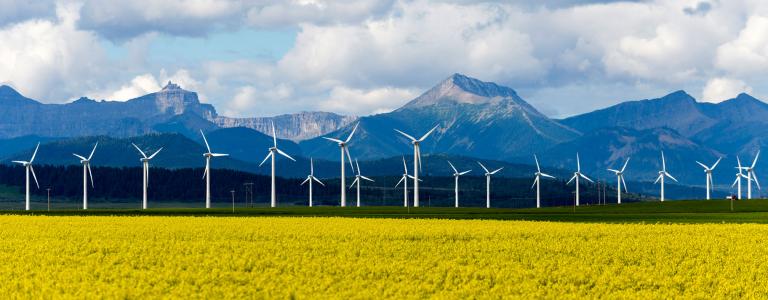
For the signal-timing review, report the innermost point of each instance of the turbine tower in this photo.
(207, 173)
(357, 181)
(145, 164)
(272, 151)
(404, 181)
(663, 173)
(751, 175)
(537, 181)
(27, 169)
(344, 147)
(708, 171)
(739, 176)
(416, 161)
(456, 175)
(576, 176)
(311, 177)
(86, 173)
(620, 180)
(488, 184)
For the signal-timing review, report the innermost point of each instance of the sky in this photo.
(360, 57)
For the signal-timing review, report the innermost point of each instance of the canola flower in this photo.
(216, 257)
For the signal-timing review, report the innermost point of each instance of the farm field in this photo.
(331, 257)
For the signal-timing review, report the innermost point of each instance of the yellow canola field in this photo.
(215, 257)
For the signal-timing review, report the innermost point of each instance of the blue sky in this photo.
(262, 57)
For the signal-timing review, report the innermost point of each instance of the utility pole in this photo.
(49, 198)
(248, 194)
(233, 200)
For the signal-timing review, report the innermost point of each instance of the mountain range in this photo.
(475, 120)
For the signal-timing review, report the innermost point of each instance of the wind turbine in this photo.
(86, 173)
(488, 184)
(456, 175)
(576, 176)
(708, 171)
(272, 151)
(751, 175)
(344, 147)
(739, 176)
(207, 174)
(311, 177)
(537, 181)
(145, 164)
(620, 181)
(663, 173)
(404, 181)
(357, 181)
(28, 168)
(416, 161)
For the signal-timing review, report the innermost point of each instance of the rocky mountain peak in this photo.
(461, 89)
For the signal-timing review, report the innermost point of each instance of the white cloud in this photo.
(289, 13)
(358, 102)
(748, 53)
(719, 89)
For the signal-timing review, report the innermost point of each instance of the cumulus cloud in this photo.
(353, 101)
(719, 89)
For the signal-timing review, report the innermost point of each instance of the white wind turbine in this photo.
(620, 180)
(416, 161)
(456, 175)
(751, 175)
(28, 168)
(404, 181)
(739, 176)
(488, 184)
(344, 147)
(576, 176)
(145, 164)
(537, 181)
(207, 173)
(708, 171)
(272, 151)
(663, 173)
(86, 173)
(311, 177)
(357, 181)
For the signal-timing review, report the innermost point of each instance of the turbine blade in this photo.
(142, 152)
(274, 135)
(406, 135)
(572, 178)
(663, 162)
(754, 177)
(317, 180)
(401, 181)
(739, 162)
(715, 165)
(351, 134)
(19, 162)
(79, 156)
(465, 172)
(32, 169)
(265, 159)
(625, 164)
(535, 180)
(547, 175)
(205, 172)
(585, 177)
(702, 165)
(670, 176)
(405, 166)
(38, 147)
(207, 146)
(90, 174)
(625, 183)
(284, 154)
(537, 163)
(578, 162)
(452, 167)
(735, 181)
(156, 152)
(754, 162)
(428, 133)
(658, 178)
(219, 154)
(366, 178)
(614, 171)
(418, 153)
(354, 182)
(305, 180)
(333, 140)
(497, 170)
(349, 158)
(358, 166)
(481, 165)
(311, 167)
(93, 151)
